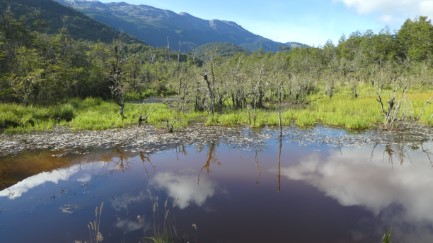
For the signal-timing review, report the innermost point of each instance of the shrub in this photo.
(64, 112)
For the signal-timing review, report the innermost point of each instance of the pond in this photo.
(264, 190)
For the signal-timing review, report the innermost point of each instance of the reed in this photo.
(163, 230)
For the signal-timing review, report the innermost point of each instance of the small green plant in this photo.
(387, 236)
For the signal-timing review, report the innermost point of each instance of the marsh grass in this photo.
(90, 114)
(94, 227)
(163, 229)
(342, 110)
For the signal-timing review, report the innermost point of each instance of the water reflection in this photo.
(275, 190)
(27, 184)
(211, 158)
(398, 195)
(184, 188)
(122, 204)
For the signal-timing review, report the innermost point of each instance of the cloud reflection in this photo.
(54, 176)
(31, 182)
(353, 179)
(184, 188)
(129, 225)
(124, 201)
(398, 194)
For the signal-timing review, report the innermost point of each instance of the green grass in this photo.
(344, 111)
(89, 114)
(339, 111)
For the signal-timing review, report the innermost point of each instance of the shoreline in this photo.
(150, 139)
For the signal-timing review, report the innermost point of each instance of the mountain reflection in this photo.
(397, 194)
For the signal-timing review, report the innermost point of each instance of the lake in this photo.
(264, 190)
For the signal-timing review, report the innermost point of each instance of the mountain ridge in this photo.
(165, 28)
(56, 16)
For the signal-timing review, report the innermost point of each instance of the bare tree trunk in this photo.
(280, 122)
(259, 88)
(210, 89)
(116, 76)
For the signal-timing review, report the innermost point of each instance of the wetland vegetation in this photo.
(366, 80)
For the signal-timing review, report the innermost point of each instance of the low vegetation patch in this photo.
(342, 110)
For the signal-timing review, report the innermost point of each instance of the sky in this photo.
(311, 22)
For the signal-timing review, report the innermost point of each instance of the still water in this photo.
(270, 191)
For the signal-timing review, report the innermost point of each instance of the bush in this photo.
(64, 112)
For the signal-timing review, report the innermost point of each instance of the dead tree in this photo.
(116, 77)
(280, 98)
(391, 112)
(210, 88)
(258, 94)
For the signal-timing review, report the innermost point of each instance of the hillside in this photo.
(220, 48)
(49, 16)
(160, 28)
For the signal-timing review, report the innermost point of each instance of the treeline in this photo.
(385, 60)
(41, 69)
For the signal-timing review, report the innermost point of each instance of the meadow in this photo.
(341, 110)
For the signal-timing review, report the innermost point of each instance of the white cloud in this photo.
(184, 188)
(426, 8)
(386, 18)
(382, 6)
(392, 9)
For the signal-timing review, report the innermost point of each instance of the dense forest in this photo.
(38, 68)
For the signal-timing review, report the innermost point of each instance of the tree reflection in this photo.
(258, 166)
(181, 149)
(427, 153)
(145, 159)
(400, 150)
(122, 163)
(210, 159)
(279, 161)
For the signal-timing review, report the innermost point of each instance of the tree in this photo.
(116, 75)
(414, 39)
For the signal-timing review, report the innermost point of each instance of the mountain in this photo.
(49, 16)
(162, 28)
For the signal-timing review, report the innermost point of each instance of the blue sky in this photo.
(312, 22)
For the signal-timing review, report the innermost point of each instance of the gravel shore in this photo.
(131, 138)
(149, 138)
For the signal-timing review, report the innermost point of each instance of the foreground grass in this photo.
(342, 110)
(339, 111)
(88, 114)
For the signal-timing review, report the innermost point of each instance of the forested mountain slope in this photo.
(162, 28)
(49, 16)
